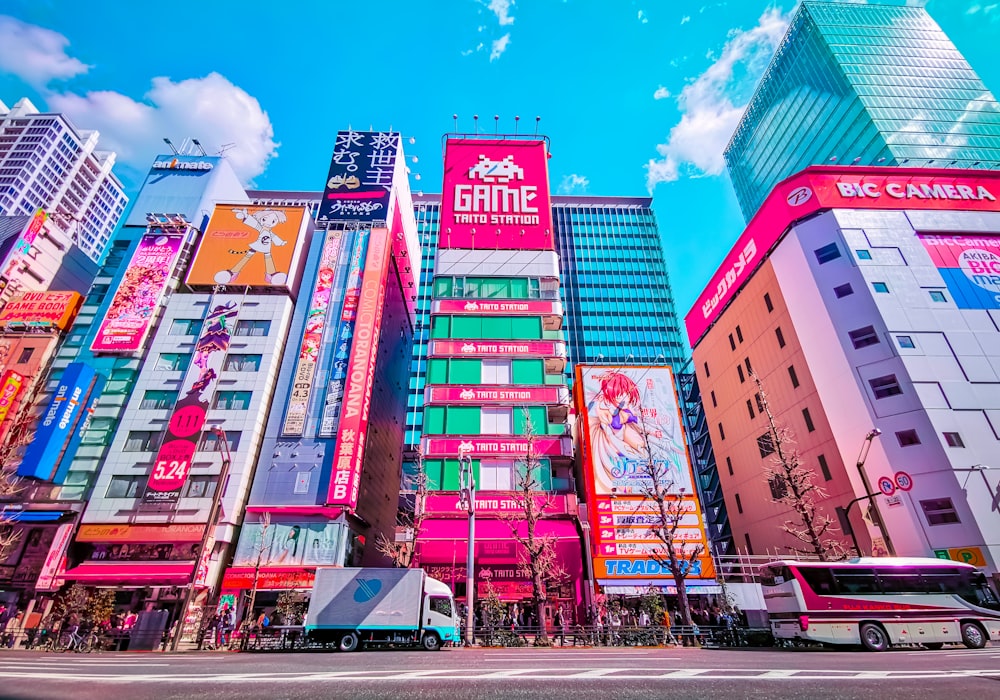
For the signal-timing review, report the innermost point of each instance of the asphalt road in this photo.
(581, 674)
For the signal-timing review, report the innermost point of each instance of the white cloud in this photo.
(35, 54)
(988, 11)
(661, 93)
(499, 46)
(643, 18)
(709, 115)
(211, 109)
(501, 8)
(685, 19)
(573, 184)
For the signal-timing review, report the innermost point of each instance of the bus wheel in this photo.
(431, 642)
(973, 635)
(874, 637)
(349, 642)
(933, 646)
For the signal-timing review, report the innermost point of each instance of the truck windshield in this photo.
(440, 605)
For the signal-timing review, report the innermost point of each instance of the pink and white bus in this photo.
(879, 602)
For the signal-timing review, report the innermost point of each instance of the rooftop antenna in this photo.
(537, 119)
(516, 120)
(475, 120)
(496, 124)
(198, 145)
(455, 117)
(225, 147)
(171, 145)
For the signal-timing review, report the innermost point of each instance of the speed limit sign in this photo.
(904, 482)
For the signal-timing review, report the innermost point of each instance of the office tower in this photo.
(876, 83)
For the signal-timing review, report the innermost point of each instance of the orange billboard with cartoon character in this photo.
(248, 246)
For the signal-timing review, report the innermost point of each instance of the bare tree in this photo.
(537, 555)
(791, 483)
(403, 555)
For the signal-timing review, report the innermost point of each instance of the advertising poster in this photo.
(23, 244)
(970, 266)
(290, 544)
(173, 461)
(55, 562)
(10, 387)
(496, 195)
(360, 178)
(41, 309)
(312, 337)
(128, 319)
(249, 247)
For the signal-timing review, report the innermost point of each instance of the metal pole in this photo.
(865, 446)
(847, 519)
(467, 483)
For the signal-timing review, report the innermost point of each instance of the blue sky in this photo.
(636, 95)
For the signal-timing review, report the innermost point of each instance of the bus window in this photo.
(856, 581)
(978, 591)
(775, 575)
(902, 580)
(943, 580)
(819, 579)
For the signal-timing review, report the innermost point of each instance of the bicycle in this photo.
(74, 640)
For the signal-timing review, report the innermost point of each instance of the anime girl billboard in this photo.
(632, 416)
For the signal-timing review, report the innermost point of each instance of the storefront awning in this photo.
(667, 586)
(145, 573)
(441, 529)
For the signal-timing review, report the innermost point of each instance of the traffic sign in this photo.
(904, 482)
(886, 486)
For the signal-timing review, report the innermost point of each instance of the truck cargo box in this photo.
(358, 598)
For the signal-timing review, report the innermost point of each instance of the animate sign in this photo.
(177, 164)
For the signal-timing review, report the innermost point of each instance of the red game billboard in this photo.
(496, 195)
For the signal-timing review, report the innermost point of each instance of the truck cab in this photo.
(440, 616)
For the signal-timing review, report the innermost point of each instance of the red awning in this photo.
(173, 572)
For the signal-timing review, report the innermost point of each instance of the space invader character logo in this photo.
(501, 171)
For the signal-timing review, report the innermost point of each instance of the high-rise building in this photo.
(47, 163)
(866, 301)
(855, 83)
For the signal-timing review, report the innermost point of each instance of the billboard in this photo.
(488, 348)
(480, 394)
(10, 387)
(360, 178)
(173, 461)
(492, 447)
(970, 266)
(348, 453)
(829, 187)
(249, 247)
(76, 387)
(496, 195)
(312, 336)
(133, 306)
(630, 418)
(41, 309)
(290, 544)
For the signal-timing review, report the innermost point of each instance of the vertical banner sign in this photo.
(130, 315)
(90, 405)
(61, 415)
(970, 266)
(316, 321)
(345, 333)
(23, 244)
(173, 461)
(10, 387)
(496, 195)
(357, 188)
(55, 562)
(348, 452)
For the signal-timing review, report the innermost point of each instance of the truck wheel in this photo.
(432, 642)
(874, 637)
(349, 642)
(973, 635)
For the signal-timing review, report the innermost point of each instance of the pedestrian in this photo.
(668, 635)
(615, 622)
(559, 621)
(643, 618)
(130, 620)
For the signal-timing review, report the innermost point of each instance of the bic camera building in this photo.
(867, 300)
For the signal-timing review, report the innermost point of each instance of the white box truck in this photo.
(358, 607)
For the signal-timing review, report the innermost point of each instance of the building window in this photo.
(907, 438)
(939, 511)
(237, 362)
(765, 443)
(722, 432)
(739, 334)
(760, 402)
(807, 417)
(884, 387)
(824, 468)
(863, 337)
(125, 486)
(25, 355)
(739, 503)
(210, 442)
(793, 376)
(880, 287)
(732, 342)
(707, 373)
(937, 295)
(779, 487)
(954, 440)
(750, 409)
(739, 371)
(780, 336)
(746, 538)
(905, 341)
(232, 400)
(729, 465)
(827, 253)
(252, 328)
(715, 404)
(864, 254)
(141, 441)
(158, 400)
(173, 362)
(202, 486)
(768, 304)
(186, 326)
(843, 290)
(746, 361)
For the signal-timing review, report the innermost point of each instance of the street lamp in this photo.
(467, 501)
(870, 495)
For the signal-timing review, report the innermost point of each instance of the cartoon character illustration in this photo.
(263, 222)
(214, 339)
(502, 171)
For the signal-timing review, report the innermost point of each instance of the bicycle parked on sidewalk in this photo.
(74, 640)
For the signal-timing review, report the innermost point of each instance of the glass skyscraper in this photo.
(870, 84)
